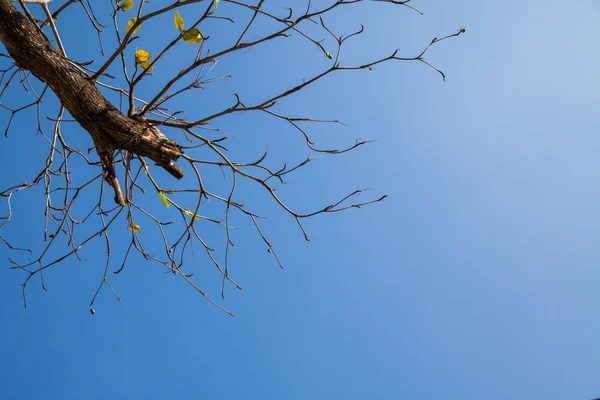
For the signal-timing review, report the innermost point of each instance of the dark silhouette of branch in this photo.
(129, 141)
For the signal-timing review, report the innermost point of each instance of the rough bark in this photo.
(109, 128)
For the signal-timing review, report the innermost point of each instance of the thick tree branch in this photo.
(109, 128)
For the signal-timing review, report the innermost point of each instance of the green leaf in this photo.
(127, 5)
(179, 24)
(164, 199)
(191, 214)
(193, 36)
(130, 25)
(135, 228)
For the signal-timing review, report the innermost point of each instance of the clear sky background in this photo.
(478, 278)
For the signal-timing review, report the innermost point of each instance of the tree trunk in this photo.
(109, 128)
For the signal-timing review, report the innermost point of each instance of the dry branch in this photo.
(129, 139)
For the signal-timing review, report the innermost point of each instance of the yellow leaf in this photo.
(169, 191)
(216, 4)
(328, 54)
(191, 214)
(130, 25)
(179, 21)
(146, 65)
(135, 228)
(145, 168)
(193, 36)
(127, 5)
(142, 55)
(164, 199)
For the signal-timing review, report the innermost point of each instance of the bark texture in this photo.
(109, 128)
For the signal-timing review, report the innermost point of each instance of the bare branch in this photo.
(129, 140)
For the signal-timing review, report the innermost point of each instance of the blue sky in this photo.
(476, 279)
